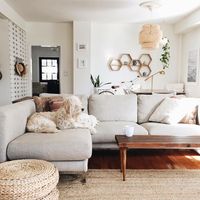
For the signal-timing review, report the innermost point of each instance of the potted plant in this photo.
(97, 83)
(165, 56)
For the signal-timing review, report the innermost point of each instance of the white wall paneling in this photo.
(17, 49)
(12, 46)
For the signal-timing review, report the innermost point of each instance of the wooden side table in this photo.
(153, 142)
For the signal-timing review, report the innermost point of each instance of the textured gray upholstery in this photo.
(114, 107)
(67, 145)
(106, 131)
(13, 119)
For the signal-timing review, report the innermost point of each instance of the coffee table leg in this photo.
(123, 162)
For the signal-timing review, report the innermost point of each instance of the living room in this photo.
(122, 81)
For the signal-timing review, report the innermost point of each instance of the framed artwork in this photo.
(81, 47)
(192, 70)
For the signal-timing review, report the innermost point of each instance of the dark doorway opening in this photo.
(45, 70)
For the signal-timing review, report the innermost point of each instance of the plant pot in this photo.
(96, 90)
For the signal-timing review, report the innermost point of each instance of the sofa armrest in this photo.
(13, 119)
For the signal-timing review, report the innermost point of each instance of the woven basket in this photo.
(28, 179)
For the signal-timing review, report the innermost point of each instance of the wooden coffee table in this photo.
(153, 142)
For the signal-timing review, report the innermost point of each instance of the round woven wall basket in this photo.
(28, 179)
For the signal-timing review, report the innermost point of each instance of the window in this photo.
(49, 69)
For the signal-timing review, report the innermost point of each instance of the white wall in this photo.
(55, 34)
(111, 40)
(82, 35)
(190, 41)
(4, 64)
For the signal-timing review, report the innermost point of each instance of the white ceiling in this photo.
(101, 10)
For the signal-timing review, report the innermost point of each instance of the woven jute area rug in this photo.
(140, 185)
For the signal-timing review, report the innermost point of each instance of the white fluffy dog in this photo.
(70, 115)
(42, 122)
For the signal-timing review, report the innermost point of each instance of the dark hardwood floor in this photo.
(146, 159)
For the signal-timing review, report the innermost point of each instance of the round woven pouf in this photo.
(28, 179)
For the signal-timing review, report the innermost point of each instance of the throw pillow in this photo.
(83, 98)
(42, 103)
(172, 110)
(147, 104)
(54, 105)
(190, 117)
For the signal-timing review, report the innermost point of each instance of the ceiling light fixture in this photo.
(150, 5)
(150, 35)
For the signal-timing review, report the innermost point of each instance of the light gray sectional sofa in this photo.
(71, 149)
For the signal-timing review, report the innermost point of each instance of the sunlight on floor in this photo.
(193, 157)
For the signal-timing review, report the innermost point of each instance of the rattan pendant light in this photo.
(151, 34)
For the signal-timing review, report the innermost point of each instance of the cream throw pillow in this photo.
(172, 110)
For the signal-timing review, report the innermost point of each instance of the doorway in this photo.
(45, 70)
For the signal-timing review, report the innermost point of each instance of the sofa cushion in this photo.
(173, 110)
(147, 104)
(172, 129)
(114, 107)
(71, 144)
(106, 131)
